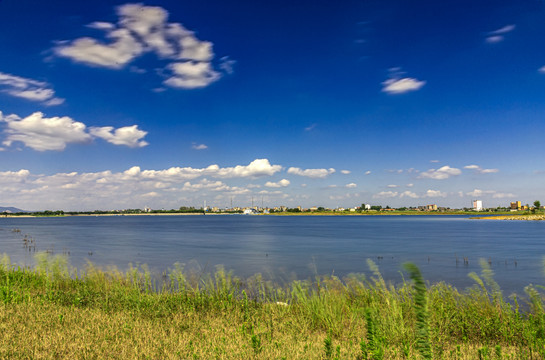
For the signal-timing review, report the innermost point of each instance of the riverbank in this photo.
(50, 313)
(314, 213)
(533, 217)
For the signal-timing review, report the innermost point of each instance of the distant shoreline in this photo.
(535, 217)
(473, 215)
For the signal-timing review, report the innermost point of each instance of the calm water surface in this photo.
(293, 246)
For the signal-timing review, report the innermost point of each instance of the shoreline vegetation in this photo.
(55, 311)
(502, 215)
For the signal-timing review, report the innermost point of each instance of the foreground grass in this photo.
(52, 312)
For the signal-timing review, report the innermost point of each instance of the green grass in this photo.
(54, 311)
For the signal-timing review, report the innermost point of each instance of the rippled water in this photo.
(293, 246)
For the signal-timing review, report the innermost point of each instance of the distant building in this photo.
(477, 205)
(367, 206)
(516, 205)
(431, 207)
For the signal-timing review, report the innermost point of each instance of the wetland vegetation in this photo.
(55, 311)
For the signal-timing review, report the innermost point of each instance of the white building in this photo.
(477, 205)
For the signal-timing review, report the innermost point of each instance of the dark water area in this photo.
(293, 247)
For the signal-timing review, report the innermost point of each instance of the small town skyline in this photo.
(163, 103)
(477, 205)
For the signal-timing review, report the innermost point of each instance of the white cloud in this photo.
(199, 147)
(281, 183)
(503, 30)
(503, 195)
(385, 194)
(191, 75)
(28, 89)
(14, 176)
(494, 39)
(434, 161)
(480, 170)
(542, 70)
(368, 172)
(266, 192)
(476, 193)
(122, 50)
(409, 194)
(400, 86)
(227, 64)
(310, 127)
(497, 36)
(43, 134)
(311, 173)
(440, 174)
(257, 168)
(144, 29)
(129, 136)
(409, 185)
(392, 186)
(435, 193)
(55, 133)
(107, 189)
(345, 172)
(351, 186)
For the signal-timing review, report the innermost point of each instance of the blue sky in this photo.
(312, 103)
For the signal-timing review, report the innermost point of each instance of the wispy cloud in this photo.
(435, 193)
(351, 186)
(195, 146)
(480, 170)
(41, 133)
(542, 70)
(397, 84)
(476, 193)
(345, 172)
(144, 29)
(28, 89)
(311, 173)
(498, 35)
(385, 194)
(442, 173)
(409, 194)
(400, 86)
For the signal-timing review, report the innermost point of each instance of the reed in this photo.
(54, 311)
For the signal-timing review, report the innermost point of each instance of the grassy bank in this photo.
(54, 312)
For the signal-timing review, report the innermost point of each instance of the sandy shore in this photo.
(513, 217)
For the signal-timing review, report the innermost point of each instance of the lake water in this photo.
(288, 247)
